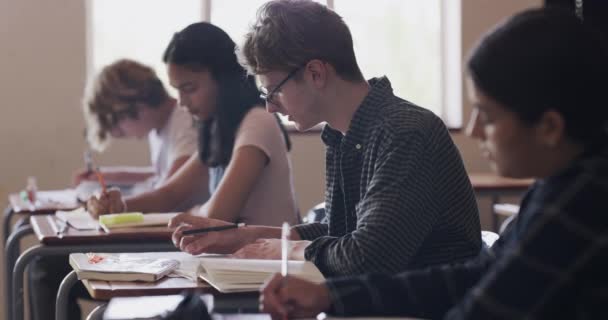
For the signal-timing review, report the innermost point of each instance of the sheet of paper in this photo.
(78, 219)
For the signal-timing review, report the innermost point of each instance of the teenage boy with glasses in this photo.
(397, 195)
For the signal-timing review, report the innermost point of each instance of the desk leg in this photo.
(22, 222)
(11, 254)
(97, 313)
(63, 295)
(42, 251)
(8, 215)
(494, 215)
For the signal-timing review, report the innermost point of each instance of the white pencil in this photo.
(284, 249)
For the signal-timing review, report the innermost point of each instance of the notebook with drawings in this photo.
(121, 267)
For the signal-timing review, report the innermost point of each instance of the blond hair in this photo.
(116, 92)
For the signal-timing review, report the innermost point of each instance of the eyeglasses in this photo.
(117, 116)
(268, 96)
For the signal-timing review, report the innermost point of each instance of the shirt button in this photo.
(358, 146)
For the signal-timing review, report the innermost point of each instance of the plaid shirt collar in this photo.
(380, 90)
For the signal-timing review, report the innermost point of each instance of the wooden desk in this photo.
(46, 231)
(494, 186)
(148, 307)
(47, 202)
(106, 290)
(126, 240)
(493, 182)
(131, 308)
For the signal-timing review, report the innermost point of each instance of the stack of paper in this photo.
(78, 219)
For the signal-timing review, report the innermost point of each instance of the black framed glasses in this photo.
(268, 96)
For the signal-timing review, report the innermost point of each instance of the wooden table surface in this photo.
(46, 230)
(491, 181)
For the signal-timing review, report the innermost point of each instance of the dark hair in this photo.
(203, 46)
(594, 12)
(289, 33)
(546, 59)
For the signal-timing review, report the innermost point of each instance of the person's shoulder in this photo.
(258, 120)
(180, 116)
(399, 117)
(257, 115)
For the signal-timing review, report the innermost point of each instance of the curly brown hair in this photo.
(115, 93)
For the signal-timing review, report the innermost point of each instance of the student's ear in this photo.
(551, 128)
(318, 72)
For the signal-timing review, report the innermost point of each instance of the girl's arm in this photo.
(186, 182)
(120, 175)
(240, 178)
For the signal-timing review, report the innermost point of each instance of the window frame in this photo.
(451, 80)
(451, 111)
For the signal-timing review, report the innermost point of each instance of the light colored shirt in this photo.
(178, 138)
(272, 200)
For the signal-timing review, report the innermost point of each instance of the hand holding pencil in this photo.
(108, 201)
(195, 234)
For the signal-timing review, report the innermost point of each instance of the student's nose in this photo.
(473, 128)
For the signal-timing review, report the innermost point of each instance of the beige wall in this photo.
(42, 71)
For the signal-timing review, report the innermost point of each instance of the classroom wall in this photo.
(42, 73)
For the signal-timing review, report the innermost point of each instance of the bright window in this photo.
(415, 43)
(399, 39)
(136, 29)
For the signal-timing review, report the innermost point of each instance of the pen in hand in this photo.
(211, 229)
(88, 161)
(285, 251)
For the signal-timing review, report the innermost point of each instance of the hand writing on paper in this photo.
(226, 241)
(271, 249)
(292, 297)
(107, 202)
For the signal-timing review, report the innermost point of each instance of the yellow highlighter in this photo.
(121, 220)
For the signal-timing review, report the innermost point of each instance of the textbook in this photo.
(245, 275)
(121, 267)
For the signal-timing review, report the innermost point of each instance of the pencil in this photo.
(88, 160)
(284, 251)
(211, 229)
(101, 181)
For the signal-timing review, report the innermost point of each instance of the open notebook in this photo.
(244, 275)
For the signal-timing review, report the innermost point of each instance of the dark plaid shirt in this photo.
(397, 195)
(550, 263)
